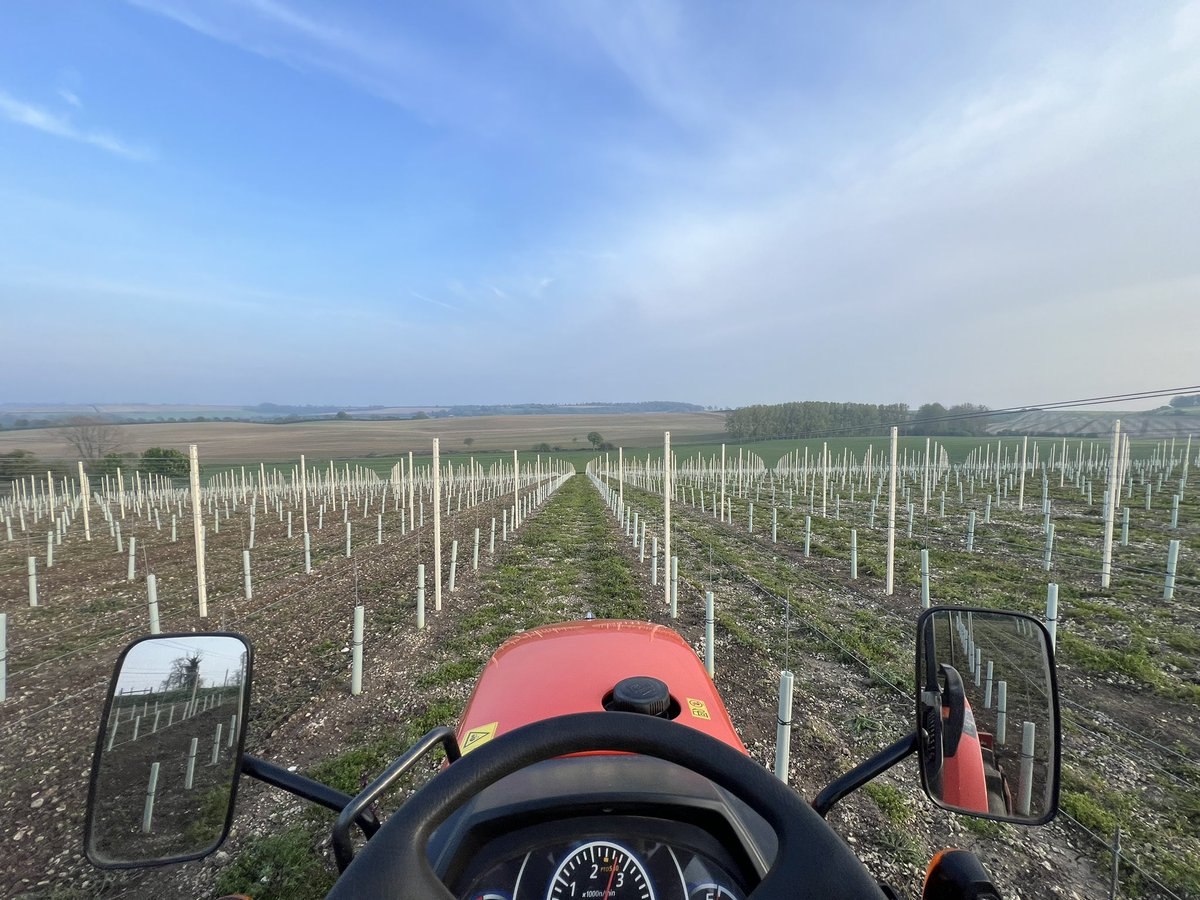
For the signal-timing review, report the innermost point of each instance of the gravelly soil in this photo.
(303, 714)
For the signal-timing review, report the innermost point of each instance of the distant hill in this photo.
(46, 415)
(590, 409)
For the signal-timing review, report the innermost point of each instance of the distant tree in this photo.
(421, 414)
(468, 441)
(109, 464)
(342, 416)
(925, 420)
(18, 464)
(809, 418)
(183, 674)
(166, 461)
(91, 438)
(1186, 401)
(962, 419)
(541, 448)
(595, 439)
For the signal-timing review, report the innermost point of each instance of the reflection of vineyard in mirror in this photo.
(1002, 760)
(169, 750)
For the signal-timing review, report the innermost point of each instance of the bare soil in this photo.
(239, 441)
(61, 654)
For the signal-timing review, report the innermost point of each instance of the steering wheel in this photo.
(812, 861)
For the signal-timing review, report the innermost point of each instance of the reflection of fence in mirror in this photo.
(169, 749)
(1005, 673)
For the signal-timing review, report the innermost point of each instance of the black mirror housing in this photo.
(988, 726)
(169, 750)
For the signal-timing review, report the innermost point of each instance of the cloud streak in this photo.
(20, 113)
(431, 301)
(380, 61)
(781, 201)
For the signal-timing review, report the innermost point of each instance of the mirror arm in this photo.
(306, 788)
(343, 851)
(864, 772)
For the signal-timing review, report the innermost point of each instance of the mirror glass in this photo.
(168, 755)
(987, 714)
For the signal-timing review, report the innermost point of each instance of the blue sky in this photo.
(353, 203)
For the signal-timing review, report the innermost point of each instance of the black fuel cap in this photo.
(640, 694)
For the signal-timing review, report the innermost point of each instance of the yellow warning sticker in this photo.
(477, 737)
(699, 708)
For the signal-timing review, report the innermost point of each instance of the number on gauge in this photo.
(711, 892)
(600, 870)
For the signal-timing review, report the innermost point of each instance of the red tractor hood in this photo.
(568, 668)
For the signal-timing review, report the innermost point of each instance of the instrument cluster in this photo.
(611, 865)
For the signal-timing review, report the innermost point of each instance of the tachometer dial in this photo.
(600, 870)
(712, 892)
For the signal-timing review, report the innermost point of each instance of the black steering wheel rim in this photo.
(395, 862)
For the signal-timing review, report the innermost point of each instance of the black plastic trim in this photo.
(248, 680)
(1055, 714)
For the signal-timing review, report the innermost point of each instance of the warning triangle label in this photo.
(477, 737)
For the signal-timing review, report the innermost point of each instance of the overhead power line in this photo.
(992, 413)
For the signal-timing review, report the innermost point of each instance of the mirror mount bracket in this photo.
(864, 772)
(307, 789)
(343, 851)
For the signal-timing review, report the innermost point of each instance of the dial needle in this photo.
(610, 880)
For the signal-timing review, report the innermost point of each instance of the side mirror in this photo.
(169, 752)
(987, 714)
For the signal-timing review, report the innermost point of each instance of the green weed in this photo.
(284, 866)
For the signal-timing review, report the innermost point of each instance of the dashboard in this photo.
(603, 827)
(605, 858)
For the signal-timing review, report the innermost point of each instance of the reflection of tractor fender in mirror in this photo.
(964, 783)
(953, 763)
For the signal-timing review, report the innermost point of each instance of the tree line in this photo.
(814, 417)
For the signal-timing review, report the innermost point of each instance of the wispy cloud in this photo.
(380, 61)
(70, 97)
(136, 294)
(1186, 31)
(648, 44)
(431, 300)
(27, 114)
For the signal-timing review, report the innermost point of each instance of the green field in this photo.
(769, 451)
(772, 451)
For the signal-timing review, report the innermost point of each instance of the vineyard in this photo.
(445, 560)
